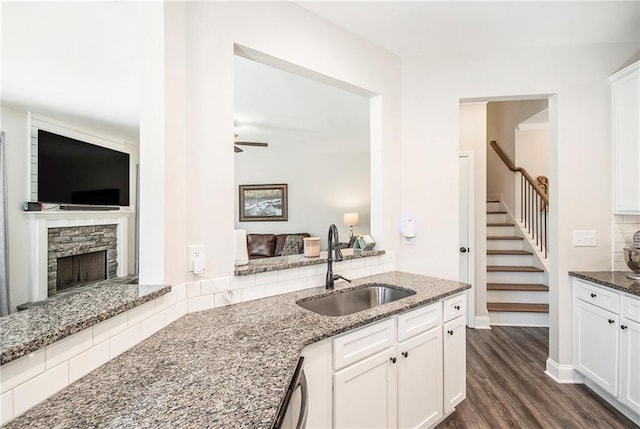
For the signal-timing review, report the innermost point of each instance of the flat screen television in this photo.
(71, 171)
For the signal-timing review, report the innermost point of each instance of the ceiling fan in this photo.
(236, 149)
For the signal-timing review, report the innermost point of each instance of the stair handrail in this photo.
(534, 209)
(511, 166)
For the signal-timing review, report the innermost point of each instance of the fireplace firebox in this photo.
(78, 270)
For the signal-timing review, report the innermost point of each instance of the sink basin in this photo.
(354, 300)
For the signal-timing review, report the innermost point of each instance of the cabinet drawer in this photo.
(364, 342)
(631, 308)
(455, 306)
(418, 321)
(603, 298)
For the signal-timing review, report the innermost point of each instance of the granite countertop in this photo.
(263, 265)
(26, 331)
(613, 279)
(226, 367)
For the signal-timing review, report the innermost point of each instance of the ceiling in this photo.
(416, 28)
(296, 114)
(82, 59)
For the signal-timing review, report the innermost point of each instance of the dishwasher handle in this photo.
(304, 401)
(298, 380)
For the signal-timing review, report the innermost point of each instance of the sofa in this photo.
(270, 245)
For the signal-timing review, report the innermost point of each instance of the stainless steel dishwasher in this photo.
(288, 407)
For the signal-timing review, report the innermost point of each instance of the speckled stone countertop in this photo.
(26, 331)
(223, 368)
(613, 279)
(264, 265)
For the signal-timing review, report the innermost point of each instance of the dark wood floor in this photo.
(507, 387)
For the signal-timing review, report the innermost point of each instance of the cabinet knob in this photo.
(463, 250)
(611, 321)
(623, 327)
(450, 332)
(457, 307)
(405, 354)
(593, 295)
(393, 360)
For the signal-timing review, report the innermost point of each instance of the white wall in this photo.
(321, 187)
(503, 118)
(204, 127)
(473, 131)
(579, 154)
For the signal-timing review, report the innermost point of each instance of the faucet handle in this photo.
(338, 276)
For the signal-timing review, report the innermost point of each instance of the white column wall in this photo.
(580, 155)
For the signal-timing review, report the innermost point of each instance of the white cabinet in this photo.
(394, 373)
(420, 380)
(455, 363)
(625, 92)
(607, 344)
(597, 345)
(364, 393)
(630, 353)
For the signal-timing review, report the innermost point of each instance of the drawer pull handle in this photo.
(593, 295)
(393, 360)
(623, 327)
(450, 332)
(405, 354)
(611, 321)
(457, 307)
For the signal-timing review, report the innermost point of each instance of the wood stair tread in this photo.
(509, 252)
(517, 307)
(496, 212)
(493, 201)
(517, 286)
(504, 237)
(501, 224)
(514, 268)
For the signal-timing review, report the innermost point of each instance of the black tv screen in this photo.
(71, 171)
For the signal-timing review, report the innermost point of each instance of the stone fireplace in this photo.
(79, 255)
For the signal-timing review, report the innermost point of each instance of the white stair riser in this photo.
(493, 207)
(501, 230)
(496, 217)
(519, 296)
(510, 260)
(519, 277)
(518, 319)
(504, 244)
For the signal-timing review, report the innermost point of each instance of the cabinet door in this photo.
(365, 393)
(626, 140)
(596, 348)
(420, 380)
(630, 364)
(455, 363)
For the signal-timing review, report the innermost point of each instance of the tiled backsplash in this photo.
(623, 229)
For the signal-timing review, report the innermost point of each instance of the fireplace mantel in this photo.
(41, 221)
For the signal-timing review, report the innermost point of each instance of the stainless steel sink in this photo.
(354, 300)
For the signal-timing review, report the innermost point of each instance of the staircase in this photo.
(517, 291)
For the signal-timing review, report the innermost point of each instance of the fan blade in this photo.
(236, 149)
(258, 144)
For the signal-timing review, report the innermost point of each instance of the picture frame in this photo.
(260, 203)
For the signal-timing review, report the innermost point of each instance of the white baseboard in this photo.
(482, 322)
(563, 374)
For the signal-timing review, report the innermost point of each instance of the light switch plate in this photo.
(585, 238)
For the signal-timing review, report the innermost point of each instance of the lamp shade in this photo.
(351, 219)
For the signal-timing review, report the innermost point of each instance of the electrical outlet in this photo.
(196, 253)
(585, 238)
